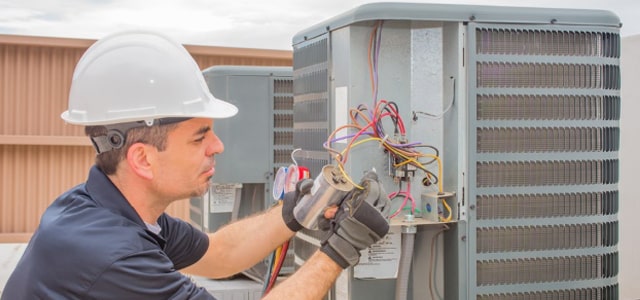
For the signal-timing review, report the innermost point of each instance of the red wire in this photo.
(276, 270)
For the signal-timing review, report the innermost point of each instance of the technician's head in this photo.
(135, 89)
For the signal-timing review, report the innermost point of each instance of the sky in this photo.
(260, 24)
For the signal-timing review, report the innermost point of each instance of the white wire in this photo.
(293, 158)
(445, 111)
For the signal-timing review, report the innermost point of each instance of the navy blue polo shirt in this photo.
(91, 244)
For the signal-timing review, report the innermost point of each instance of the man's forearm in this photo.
(312, 281)
(241, 244)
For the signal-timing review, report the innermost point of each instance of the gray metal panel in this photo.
(246, 134)
(265, 71)
(257, 141)
(460, 13)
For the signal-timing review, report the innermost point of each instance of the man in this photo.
(145, 106)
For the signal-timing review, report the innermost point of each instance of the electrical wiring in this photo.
(276, 260)
(448, 208)
(407, 194)
(444, 111)
(267, 275)
(432, 265)
(278, 267)
(370, 124)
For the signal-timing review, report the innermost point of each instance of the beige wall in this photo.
(40, 155)
(629, 166)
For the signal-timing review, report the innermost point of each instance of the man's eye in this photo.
(199, 139)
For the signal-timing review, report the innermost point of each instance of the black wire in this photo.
(427, 182)
(394, 118)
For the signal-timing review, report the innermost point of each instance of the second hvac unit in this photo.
(258, 141)
(524, 106)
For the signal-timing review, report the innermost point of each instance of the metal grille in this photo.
(544, 173)
(527, 81)
(547, 75)
(311, 54)
(548, 107)
(314, 110)
(546, 237)
(547, 42)
(593, 293)
(546, 205)
(310, 139)
(557, 139)
(310, 118)
(282, 138)
(282, 156)
(282, 120)
(547, 269)
(283, 86)
(283, 103)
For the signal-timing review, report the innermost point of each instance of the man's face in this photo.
(184, 168)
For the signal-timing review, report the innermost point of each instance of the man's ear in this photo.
(139, 159)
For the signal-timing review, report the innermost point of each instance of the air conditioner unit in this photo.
(523, 105)
(258, 141)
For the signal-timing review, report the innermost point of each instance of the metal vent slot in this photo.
(282, 137)
(546, 42)
(544, 237)
(558, 139)
(541, 173)
(310, 139)
(548, 107)
(311, 82)
(281, 156)
(595, 293)
(283, 120)
(541, 75)
(520, 206)
(310, 111)
(283, 103)
(546, 269)
(283, 86)
(310, 54)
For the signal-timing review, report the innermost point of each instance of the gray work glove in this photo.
(291, 199)
(361, 220)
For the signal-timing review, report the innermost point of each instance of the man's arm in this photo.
(241, 244)
(312, 281)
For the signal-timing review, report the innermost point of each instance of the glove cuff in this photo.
(288, 204)
(341, 251)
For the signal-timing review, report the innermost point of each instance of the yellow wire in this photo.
(446, 206)
(341, 168)
(409, 159)
(440, 188)
(278, 253)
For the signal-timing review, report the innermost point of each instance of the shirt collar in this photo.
(105, 194)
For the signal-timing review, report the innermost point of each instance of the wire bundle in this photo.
(275, 265)
(369, 126)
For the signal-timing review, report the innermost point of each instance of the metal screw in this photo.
(463, 238)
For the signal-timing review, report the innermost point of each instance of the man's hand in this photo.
(360, 221)
(291, 199)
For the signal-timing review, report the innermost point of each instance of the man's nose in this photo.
(215, 146)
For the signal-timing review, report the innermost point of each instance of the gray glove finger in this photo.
(355, 229)
(303, 187)
(291, 199)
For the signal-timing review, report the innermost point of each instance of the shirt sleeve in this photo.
(185, 244)
(145, 275)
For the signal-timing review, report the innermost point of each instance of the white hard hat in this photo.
(139, 76)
